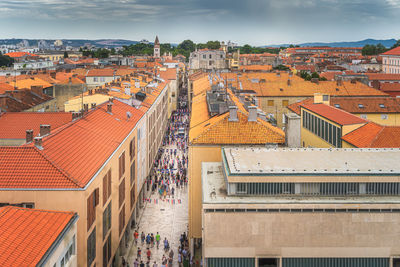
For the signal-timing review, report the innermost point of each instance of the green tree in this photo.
(112, 51)
(187, 45)
(6, 61)
(281, 67)
(213, 45)
(65, 54)
(396, 44)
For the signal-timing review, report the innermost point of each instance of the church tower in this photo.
(157, 51)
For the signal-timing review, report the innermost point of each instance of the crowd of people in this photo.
(168, 176)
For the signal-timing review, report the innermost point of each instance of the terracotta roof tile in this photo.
(20, 54)
(334, 114)
(393, 52)
(15, 124)
(374, 136)
(27, 167)
(390, 87)
(383, 76)
(5, 87)
(100, 72)
(27, 234)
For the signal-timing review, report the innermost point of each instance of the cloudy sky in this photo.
(257, 22)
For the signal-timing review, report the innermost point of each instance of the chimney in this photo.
(252, 113)
(53, 75)
(109, 108)
(339, 82)
(290, 74)
(86, 107)
(289, 82)
(353, 81)
(44, 129)
(111, 100)
(75, 115)
(93, 105)
(233, 113)
(262, 116)
(29, 136)
(278, 74)
(39, 142)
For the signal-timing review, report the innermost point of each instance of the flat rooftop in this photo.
(214, 191)
(311, 161)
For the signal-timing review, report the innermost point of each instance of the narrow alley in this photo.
(165, 210)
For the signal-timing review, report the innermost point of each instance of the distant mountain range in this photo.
(386, 43)
(73, 42)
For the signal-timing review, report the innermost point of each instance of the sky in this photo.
(256, 22)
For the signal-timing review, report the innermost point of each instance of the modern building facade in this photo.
(301, 207)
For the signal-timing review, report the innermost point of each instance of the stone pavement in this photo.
(170, 220)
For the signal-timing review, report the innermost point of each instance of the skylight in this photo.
(360, 105)
(382, 105)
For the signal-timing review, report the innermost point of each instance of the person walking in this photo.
(142, 237)
(139, 253)
(158, 239)
(136, 236)
(148, 254)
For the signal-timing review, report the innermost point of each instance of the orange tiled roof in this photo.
(393, 52)
(15, 124)
(28, 83)
(20, 54)
(72, 154)
(390, 87)
(352, 104)
(256, 67)
(374, 136)
(168, 74)
(100, 72)
(27, 167)
(5, 87)
(26, 235)
(383, 76)
(334, 114)
(271, 85)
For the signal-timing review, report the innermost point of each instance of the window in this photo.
(285, 103)
(337, 105)
(121, 220)
(204, 56)
(382, 105)
(360, 105)
(325, 98)
(106, 187)
(107, 220)
(363, 116)
(92, 202)
(270, 103)
(132, 195)
(121, 165)
(91, 247)
(121, 193)
(133, 173)
(210, 56)
(132, 148)
(241, 188)
(107, 251)
(384, 116)
(95, 79)
(102, 79)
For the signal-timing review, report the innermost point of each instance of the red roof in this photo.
(72, 154)
(374, 136)
(27, 167)
(333, 114)
(26, 235)
(15, 124)
(393, 52)
(20, 54)
(100, 72)
(5, 87)
(390, 87)
(383, 76)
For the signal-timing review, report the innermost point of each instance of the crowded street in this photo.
(160, 236)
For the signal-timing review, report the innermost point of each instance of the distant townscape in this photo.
(214, 154)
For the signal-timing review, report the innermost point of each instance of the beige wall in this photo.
(12, 142)
(197, 155)
(62, 248)
(76, 200)
(278, 108)
(308, 234)
(393, 119)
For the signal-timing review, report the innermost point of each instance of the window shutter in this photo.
(96, 197)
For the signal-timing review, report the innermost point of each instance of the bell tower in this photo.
(157, 51)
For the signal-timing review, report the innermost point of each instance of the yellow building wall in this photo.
(349, 128)
(347, 145)
(197, 155)
(392, 120)
(277, 109)
(76, 200)
(75, 104)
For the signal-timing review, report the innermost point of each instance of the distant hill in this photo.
(73, 42)
(387, 43)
